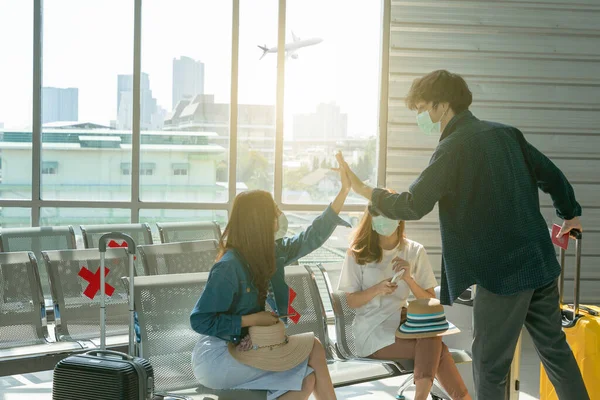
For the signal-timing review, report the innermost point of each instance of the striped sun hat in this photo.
(425, 318)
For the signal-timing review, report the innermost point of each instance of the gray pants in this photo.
(498, 323)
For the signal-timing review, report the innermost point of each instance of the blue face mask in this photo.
(384, 226)
(427, 125)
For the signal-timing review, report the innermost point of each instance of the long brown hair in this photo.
(251, 232)
(365, 247)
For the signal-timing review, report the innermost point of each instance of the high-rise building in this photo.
(188, 79)
(151, 115)
(60, 104)
(328, 122)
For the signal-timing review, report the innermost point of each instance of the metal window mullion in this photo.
(112, 204)
(135, 134)
(384, 81)
(233, 101)
(36, 128)
(278, 184)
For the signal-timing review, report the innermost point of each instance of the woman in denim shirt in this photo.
(249, 272)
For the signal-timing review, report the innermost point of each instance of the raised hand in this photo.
(356, 183)
(344, 177)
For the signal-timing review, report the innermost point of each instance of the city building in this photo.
(60, 104)
(188, 79)
(79, 164)
(328, 122)
(202, 114)
(151, 114)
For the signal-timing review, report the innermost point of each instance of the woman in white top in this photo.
(379, 249)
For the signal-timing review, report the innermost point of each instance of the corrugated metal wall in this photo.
(534, 65)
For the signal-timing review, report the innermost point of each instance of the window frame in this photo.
(135, 171)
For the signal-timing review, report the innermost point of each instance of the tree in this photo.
(292, 178)
(253, 169)
(258, 170)
(370, 156)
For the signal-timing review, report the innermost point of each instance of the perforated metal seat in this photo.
(180, 257)
(309, 305)
(23, 330)
(163, 304)
(78, 316)
(345, 344)
(323, 255)
(140, 233)
(346, 348)
(37, 240)
(188, 231)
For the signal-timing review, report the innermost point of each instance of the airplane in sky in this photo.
(291, 48)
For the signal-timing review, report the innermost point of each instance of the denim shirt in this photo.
(229, 292)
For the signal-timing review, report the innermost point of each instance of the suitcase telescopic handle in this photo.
(116, 235)
(577, 235)
(116, 354)
(102, 243)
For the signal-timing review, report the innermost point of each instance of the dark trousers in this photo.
(498, 321)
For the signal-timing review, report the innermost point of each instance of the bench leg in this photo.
(437, 392)
(407, 383)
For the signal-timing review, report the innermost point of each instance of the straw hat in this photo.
(273, 350)
(425, 318)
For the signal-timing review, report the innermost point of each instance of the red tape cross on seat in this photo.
(292, 310)
(114, 244)
(94, 282)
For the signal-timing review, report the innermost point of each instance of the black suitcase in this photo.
(103, 374)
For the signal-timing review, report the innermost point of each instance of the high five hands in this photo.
(357, 185)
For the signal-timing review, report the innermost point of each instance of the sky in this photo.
(86, 44)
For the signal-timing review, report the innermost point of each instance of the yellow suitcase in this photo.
(583, 335)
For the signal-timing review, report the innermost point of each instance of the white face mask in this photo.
(427, 125)
(282, 223)
(384, 226)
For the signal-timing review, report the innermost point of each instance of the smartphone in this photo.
(397, 276)
(287, 315)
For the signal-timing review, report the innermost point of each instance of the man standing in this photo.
(485, 178)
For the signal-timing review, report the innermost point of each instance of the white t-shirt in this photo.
(376, 322)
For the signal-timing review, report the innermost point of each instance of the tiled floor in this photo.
(38, 386)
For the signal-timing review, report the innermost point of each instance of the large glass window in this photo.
(15, 217)
(257, 89)
(87, 114)
(331, 95)
(186, 86)
(16, 66)
(87, 99)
